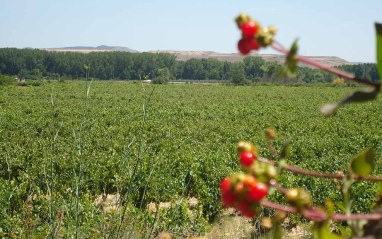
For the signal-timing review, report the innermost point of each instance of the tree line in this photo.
(35, 64)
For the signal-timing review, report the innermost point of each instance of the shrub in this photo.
(162, 77)
(338, 81)
(6, 80)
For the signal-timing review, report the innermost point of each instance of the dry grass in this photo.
(231, 225)
(233, 57)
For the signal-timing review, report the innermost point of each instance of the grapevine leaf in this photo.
(290, 67)
(363, 163)
(378, 28)
(358, 96)
(285, 151)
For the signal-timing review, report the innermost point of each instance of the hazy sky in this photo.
(342, 28)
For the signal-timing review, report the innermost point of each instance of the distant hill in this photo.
(186, 55)
(233, 57)
(88, 49)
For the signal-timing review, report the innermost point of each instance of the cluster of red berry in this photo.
(243, 191)
(248, 42)
(253, 35)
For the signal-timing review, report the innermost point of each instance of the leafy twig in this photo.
(316, 215)
(318, 174)
(278, 47)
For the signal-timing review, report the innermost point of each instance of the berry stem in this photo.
(276, 185)
(278, 47)
(316, 215)
(272, 150)
(317, 174)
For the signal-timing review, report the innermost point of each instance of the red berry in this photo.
(225, 185)
(239, 188)
(257, 192)
(253, 44)
(245, 45)
(247, 158)
(244, 48)
(249, 28)
(245, 208)
(249, 180)
(229, 199)
(250, 214)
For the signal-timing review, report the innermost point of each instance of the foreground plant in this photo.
(246, 190)
(254, 37)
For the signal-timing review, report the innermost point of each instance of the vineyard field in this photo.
(164, 143)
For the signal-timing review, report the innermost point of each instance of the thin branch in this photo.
(272, 150)
(316, 215)
(276, 185)
(51, 169)
(317, 174)
(278, 47)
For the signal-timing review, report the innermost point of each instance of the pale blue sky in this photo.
(342, 28)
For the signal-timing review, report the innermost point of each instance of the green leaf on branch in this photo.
(290, 67)
(341, 206)
(277, 231)
(345, 231)
(285, 151)
(378, 28)
(379, 188)
(271, 191)
(363, 163)
(280, 165)
(358, 96)
(330, 208)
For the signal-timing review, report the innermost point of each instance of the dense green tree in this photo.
(252, 67)
(36, 74)
(23, 74)
(238, 74)
(271, 71)
(225, 73)
(373, 74)
(193, 69)
(2, 67)
(178, 69)
(28, 63)
(162, 76)
(212, 68)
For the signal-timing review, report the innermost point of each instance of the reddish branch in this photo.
(278, 47)
(317, 215)
(276, 185)
(316, 174)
